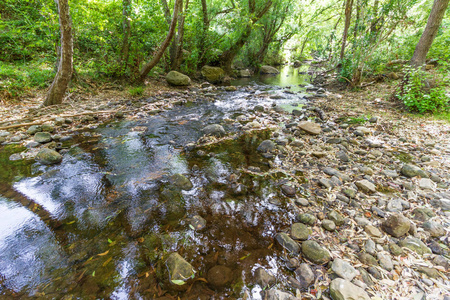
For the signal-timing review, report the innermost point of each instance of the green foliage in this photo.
(17, 78)
(422, 92)
(136, 91)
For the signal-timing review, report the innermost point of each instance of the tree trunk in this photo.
(228, 56)
(430, 32)
(61, 81)
(148, 67)
(126, 24)
(176, 55)
(348, 16)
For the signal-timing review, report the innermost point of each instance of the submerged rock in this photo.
(219, 276)
(181, 181)
(263, 278)
(266, 146)
(180, 270)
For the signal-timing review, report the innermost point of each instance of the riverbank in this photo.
(344, 195)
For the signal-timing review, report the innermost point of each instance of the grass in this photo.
(136, 91)
(442, 116)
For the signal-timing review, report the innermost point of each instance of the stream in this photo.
(128, 193)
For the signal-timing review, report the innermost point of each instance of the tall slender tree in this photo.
(431, 29)
(64, 74)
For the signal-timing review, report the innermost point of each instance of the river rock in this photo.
(215, 130)
(328, 225)
(213, 74)
(344, 269)
(48, 127)
(266, 146)
(268, 70)
(385, 261)
(367, 259)
(181, 181)
(341, 289)
(197, 223)
(304, 275)
(287, 243)
(177, 79)
(370, 247)
(219, 276)
(396, 225)
(278, 295)
(300, 231)
(263, 278)
(244, 73)
(48, 157)
(310, 127)
(415, 244)
(306, 219)
(436, 230)
(179, 269)
(412, 171)
(373, 231)
(336, 217)
(288, 190)
(423, 213)
(33, 129)
(366, 186)
(426, 184)
(42, 137)
(315, 253)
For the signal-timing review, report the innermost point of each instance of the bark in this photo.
(126, 25)
(159, 53)
(430, 32)
(176, 55)
(348, 16)
(228, 56)
(61, 81)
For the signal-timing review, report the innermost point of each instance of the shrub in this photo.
(136, 91)
(421, 92)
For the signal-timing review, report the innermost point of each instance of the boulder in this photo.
(341, 289)
(244, 73)
(177, 79)
(48, 157)
(213, 74)
(268, 70)
(179, 269)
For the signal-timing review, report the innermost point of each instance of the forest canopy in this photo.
(116, 39)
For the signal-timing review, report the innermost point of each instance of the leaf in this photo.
(192, 227)
(93, 274)
(103, 254)
(71, 222)
(109, 241)
(178, 282)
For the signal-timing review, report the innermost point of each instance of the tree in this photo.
(159, 53)
(64, 74)
(126, 25)
(228, 56)
(348, 16)
(431, 29)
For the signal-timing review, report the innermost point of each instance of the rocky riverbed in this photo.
(355, 194)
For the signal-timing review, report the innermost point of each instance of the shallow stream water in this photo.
(100, 224)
